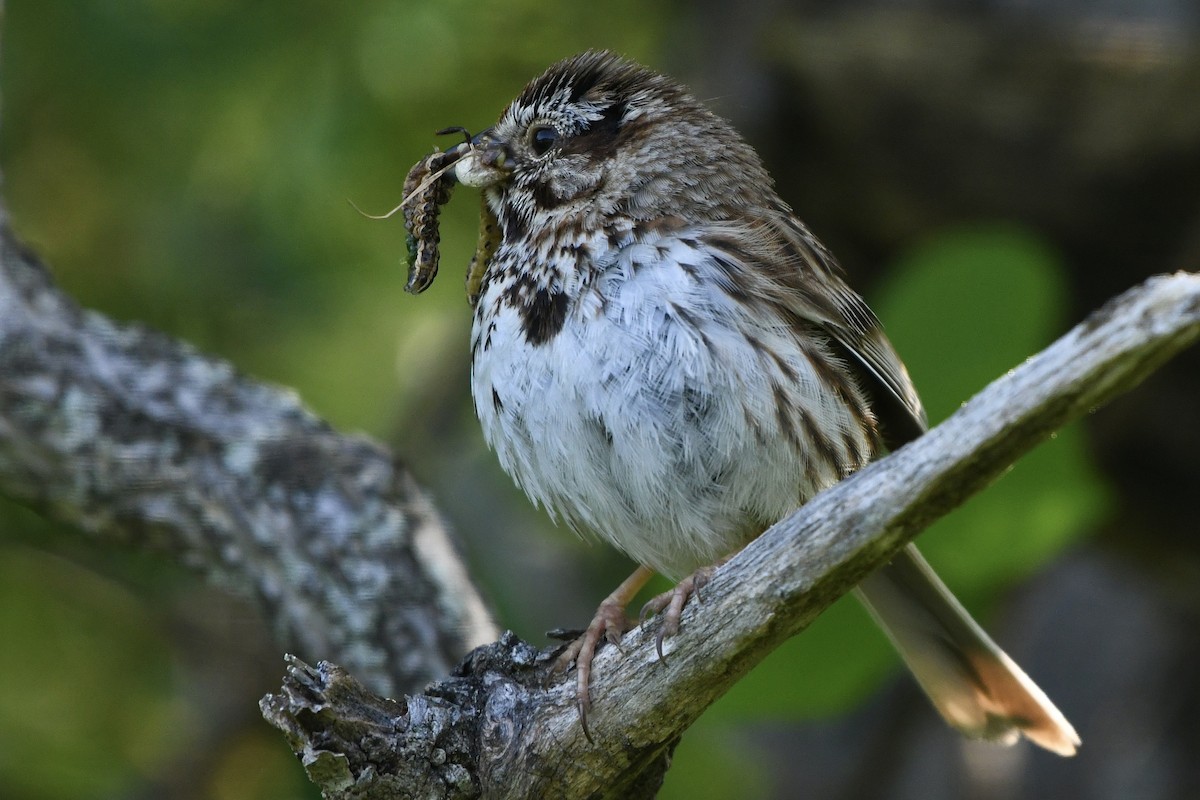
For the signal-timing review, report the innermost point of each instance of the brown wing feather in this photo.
(793, 269)
(976, 687)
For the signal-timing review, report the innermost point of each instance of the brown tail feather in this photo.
(972, 682)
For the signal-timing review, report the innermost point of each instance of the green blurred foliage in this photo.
(66, 665)
(189, 164)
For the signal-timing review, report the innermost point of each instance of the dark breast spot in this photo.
(545, 198)
(514, 225)
(544, 315)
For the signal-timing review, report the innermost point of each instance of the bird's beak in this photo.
(485, 161)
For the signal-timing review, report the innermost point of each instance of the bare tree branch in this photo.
(502, 727)
(138, 439)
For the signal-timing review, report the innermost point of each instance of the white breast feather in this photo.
(686, 477)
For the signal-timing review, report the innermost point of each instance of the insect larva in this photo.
(485, 248)
(426, 189)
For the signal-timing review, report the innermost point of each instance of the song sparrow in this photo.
(663, 355)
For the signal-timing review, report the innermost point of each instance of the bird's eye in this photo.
(542, 138)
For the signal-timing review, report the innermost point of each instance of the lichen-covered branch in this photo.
(137, 438)
(502, 726)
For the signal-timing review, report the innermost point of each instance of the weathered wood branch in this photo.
(501, 726)
(138, 439)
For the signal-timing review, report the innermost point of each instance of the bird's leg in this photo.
(670, 603)
(609, 624)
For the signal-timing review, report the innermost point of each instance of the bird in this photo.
(665, 357)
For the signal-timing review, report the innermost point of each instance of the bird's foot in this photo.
(669, 605)
(609, 624)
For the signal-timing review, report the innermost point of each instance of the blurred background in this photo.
(988, 171)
